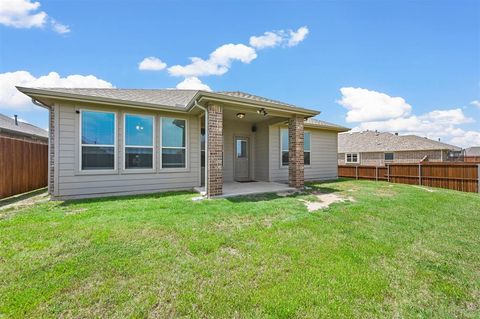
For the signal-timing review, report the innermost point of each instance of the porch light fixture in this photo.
(240, 115)
(262, 111)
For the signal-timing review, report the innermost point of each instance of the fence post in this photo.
(376, 173)
(388, 172)
(356, 172)
(420, 174)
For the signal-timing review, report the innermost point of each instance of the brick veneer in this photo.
(295, 152)
(215, 150)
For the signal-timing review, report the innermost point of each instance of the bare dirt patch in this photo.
(15, 204)
(325, 200)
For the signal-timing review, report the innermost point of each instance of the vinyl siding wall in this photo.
(71, 182)
(323, 157)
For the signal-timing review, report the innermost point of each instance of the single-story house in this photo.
(380, 148)
(13, 128)
(128, 141)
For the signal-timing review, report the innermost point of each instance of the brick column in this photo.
(214, 150)
(295, 152)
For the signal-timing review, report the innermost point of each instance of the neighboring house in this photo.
(378, 149)
(122, 141)
(472, 154)
(13, 128)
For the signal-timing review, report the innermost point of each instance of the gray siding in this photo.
(323, 157)
(261, 153)
(75, 183)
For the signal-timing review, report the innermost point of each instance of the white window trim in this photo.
(352, 162)
(160, 151)
(138, 170)
(391, 159)
(115, 150)
(281, 149)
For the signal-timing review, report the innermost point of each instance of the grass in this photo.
(396, 251)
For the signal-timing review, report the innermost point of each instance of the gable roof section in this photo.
(311, 122)
(8, 124)
(173, 99)
(369, 141)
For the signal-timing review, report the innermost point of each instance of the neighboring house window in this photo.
(389, 156)
(139, 132)
(284, 147)
(97, 140)
(351, 158)
(173, 143)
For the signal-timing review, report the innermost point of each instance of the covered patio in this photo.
(232, 189)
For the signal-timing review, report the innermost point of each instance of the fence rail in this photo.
(458, 176)
(23, 166)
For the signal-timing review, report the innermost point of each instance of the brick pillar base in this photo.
(295, 152)
(214, 150)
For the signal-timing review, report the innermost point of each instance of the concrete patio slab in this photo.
(232, 189)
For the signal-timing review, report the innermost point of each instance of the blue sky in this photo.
(412, 67)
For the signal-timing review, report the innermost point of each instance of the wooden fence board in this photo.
(461, 176)
(23, 166)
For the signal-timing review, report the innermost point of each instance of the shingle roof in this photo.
(472, 151)
(323, 124)
(7, 123)
(166, 97)
(254, 97)
(369, 141)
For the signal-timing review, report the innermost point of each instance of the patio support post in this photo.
(214, 183)
(295, 152)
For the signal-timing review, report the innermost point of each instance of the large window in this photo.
(173, 143)
(139, 132)
(284, 146)
(351, 158)
(97, 140)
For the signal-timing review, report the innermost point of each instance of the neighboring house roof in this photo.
(311, 122)
(21, 128)
(180, 100)
(472, 151)
(369, 141)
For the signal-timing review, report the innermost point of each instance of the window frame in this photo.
(125, 146)
(282, 150)
(160, 150)
(352, 162)
(389, 160)
(80, 143)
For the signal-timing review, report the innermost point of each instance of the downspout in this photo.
(206, 144)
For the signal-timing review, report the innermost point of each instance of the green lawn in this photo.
(395, 251)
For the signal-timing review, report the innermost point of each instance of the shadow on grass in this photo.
(69, 202)
(17, 198)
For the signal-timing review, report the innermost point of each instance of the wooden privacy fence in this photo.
(458, 176)
(23, 166)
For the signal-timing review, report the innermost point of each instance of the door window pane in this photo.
(138, 130)
(98, 157)
(138, 157)
(241, 149)
(98, 128)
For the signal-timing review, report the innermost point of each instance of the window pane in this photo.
(139, 130)
(98, 128)
(349, 157)
(284, 157)
(354, 158)
(306, 141)
(173, 158)
(284, 133)
(306, 158)
(173, 132)
(95, 157)
(389, 156)
(241, 149)
(138, 157)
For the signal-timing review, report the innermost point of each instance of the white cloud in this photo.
(218, 63)
(21, 14)
(11, 98)
(297, 36)
(24, 14)
(476, 103)
(59, 27)
(152, 64)
(366, 105)
(443, 124)
(267, 40)
(193, 83)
